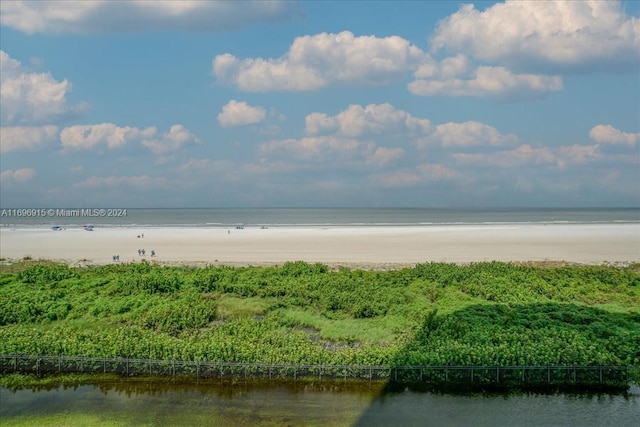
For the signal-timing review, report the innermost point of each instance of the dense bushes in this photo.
(433, 314)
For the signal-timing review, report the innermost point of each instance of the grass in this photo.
(301, 313)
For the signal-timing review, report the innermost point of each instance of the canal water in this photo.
(145, 403)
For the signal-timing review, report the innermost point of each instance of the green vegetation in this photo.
(432, 314)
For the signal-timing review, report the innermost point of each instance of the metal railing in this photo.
(469, 375)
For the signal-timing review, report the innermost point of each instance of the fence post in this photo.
(600, 374)
(472, 375)
(497, 374)
(548, 374)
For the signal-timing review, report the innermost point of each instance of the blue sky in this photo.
(278, 104)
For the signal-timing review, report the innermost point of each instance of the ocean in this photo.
(308, 217)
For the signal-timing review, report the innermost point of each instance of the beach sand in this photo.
(359, 247)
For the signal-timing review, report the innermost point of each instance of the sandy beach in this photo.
(349, 246)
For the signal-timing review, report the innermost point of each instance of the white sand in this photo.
(357, 246)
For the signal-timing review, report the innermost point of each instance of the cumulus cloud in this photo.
(103, 16)
(170, 141)
(607, 134)
(419, 175)
(383, 156)
(324, 150)
(17, 175)
(85, 137)
(373, 119)
(18, 138)
(324, 59)
(237, 113)
(467, 134)
(140, 182)
(321, 60)
(485, 81)
(316, 149)
(525, 155)
(32, 98)
(556, 33)
(385, 121)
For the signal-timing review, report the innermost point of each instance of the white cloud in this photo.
(17, 138)
(485, 81)
(334, 151)
(17, 175)
(420, 175)
(170, 141)
(317, 149)
(317, 61)
(373, 119)
(102, 16)
(568, 32)
(32, 98)
(385, 156)
(525, 155)
(576, 154)
(140, 182)
(85, 137)
(467, 134)
(448, 67)
(237, 113)
(609, 135)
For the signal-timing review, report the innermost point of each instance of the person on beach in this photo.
(153, 253)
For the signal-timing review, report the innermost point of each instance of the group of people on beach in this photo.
(142, 252)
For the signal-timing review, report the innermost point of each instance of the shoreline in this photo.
(371, 247)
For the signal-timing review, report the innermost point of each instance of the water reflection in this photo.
(138, 402)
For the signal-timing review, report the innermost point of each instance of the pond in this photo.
(153, 403)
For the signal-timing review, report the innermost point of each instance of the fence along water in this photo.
(436, 375)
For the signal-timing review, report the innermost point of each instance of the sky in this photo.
(112, 104)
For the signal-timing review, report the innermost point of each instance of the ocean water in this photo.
(288, 217)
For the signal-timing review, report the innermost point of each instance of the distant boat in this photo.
(56, 228)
